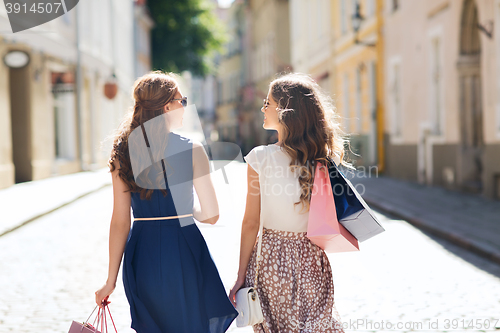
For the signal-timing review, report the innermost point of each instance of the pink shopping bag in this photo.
(101, 318)
(77, 327)
(323, 228)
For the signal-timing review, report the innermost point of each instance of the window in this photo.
(219, 92)
(294, 26)
(319, 18)
(346, 102)
(370, 8)
(65, 120)
(234, 86)
(358, 100)
(395, 90)
(395, 5)
(343, 17)
(436, 106)
(372, 94)
(352, 11)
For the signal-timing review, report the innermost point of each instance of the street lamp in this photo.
(357, 18)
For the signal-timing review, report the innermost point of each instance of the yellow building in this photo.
(355, 56)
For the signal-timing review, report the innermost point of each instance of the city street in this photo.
(401, 280)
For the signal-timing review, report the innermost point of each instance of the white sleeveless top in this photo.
(279, 189)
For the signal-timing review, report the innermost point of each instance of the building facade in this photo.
(442, 93)
(356, 66)
(311, 40)
(230, 75)
(270, 55)
(54, 115)
(258, 49)
(143, 24)
(415, 82)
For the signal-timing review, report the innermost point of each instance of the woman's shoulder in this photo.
(269, 147)
(258, 148)
(261, 152)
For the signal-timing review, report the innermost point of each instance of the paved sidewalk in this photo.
(467, 220)
(30, 200)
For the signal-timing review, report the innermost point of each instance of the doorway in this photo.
(470, 164)
(21, 123)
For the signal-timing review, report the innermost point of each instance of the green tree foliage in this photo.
(185, 36)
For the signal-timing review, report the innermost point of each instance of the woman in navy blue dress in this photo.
(170, 279)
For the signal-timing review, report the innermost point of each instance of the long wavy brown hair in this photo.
(311, 128)
(151, 93)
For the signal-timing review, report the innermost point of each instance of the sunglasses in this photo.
(184, 100)
(266, 103)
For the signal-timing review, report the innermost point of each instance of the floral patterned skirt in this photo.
(295, 285)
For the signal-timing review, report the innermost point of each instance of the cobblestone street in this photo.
(51, 268)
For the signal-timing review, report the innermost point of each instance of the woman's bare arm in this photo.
(208, 211)
(118, 233)
(249, 229)
(251, 221)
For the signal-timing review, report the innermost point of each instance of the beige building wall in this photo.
(36, 140)
(442, 102)
(229, 74)
(311, 40)
(270, 55)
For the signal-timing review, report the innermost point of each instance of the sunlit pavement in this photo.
(51, 267)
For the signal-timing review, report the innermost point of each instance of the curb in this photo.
(452, 237)
(52, 210)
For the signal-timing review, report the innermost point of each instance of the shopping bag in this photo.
(77, 327)
(101, 319)
(323, 227)
(352, 211)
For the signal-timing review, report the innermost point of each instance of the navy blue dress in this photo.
(169, 276)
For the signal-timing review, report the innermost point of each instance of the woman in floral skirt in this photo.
(295, 283)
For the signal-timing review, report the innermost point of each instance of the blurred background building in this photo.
(53, 111)
(442, 93)
(415, 82)
(258, 48)
(230, 75)
(355, 59)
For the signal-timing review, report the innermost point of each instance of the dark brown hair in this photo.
(311, 127)
(151, 93)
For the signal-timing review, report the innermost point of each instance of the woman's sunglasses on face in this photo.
(266, 103)
(184, 100)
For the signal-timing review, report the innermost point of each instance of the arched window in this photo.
(469, 33)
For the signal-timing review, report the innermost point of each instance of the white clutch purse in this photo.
(248, 306)
(247, 299)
